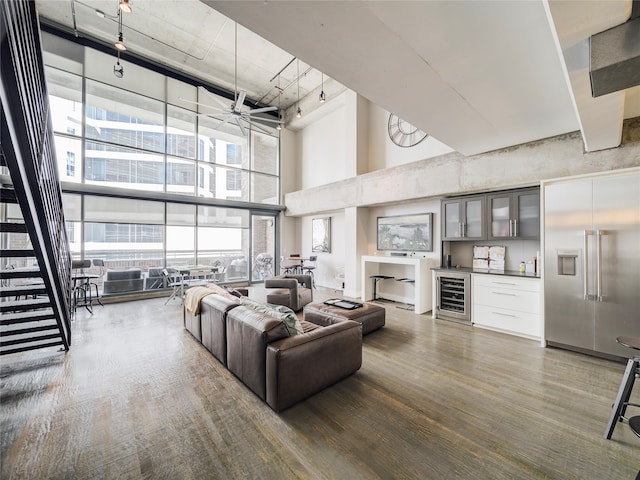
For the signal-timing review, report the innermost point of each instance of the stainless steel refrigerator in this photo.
(592, 262)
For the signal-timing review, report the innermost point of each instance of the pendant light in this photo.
(118, 70)
(323, 97)
(125, 6)
(120, 43)
(299, 111)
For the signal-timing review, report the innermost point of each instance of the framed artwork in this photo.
(321, 234)
(406, 233)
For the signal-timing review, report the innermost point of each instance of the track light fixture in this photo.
(125, 6)
(118, 70)
(323, 97)
(120, 43)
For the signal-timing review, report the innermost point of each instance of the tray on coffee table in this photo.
(342, 303)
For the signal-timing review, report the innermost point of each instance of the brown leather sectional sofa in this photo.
(258, 349)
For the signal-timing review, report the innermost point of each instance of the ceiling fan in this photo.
(234, 113)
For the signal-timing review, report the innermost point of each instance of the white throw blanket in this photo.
(192, 298)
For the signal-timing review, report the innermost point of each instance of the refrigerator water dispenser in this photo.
(567, 260)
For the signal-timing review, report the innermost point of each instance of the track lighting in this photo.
(299, 113)
(120, 43)
(118, 70)
(125, 6)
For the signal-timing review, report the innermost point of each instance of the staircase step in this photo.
(13, 227)
(23, 290)
(35, 338)
(30, 347)
(22, 331)
(31, 272)
(8, 195)
(23, 252)
(26, 317)
(23, 305)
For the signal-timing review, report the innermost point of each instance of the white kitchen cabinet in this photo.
(506, 303)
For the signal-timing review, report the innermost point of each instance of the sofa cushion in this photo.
(308, 326)
(279, 312)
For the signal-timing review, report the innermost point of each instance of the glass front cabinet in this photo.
(514, 214)
(464, 218)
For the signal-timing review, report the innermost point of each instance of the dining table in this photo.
(298, 263)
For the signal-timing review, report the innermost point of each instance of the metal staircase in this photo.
(34, 251)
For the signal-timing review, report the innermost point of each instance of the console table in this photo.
(418, 268)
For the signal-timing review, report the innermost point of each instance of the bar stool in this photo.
(624, 392)
(97, 262)
(410, 281)
(376, 279)
(309, 267)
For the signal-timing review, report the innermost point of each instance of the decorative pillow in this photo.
(234, 292)
(284, 314)
(291, 315)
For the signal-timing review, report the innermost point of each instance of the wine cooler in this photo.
(453, 292)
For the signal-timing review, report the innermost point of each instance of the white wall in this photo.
(383, 153)
(321, 148)
(289, 181)
(331, 263)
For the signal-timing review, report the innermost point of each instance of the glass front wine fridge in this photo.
(453, 296)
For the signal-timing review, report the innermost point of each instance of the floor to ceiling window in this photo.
(143, 134)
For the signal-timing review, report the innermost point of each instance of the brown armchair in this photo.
(293, 291)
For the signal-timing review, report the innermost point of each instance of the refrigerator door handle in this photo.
(585, 264)
(599, 234)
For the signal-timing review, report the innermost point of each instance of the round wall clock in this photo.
(403, 134)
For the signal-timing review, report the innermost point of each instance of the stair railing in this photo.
(27, 142)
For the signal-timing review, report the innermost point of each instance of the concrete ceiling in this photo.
(476, 75)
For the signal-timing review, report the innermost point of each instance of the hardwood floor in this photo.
(138, 397)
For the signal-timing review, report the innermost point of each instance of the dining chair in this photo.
(175, 282)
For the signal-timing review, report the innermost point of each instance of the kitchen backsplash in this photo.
(515, 252)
